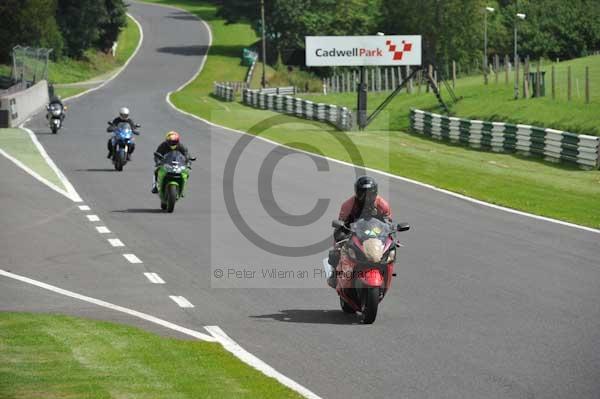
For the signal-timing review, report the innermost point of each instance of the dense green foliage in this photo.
(69, 27)
(451, 29)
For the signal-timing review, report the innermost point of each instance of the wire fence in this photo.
(30, 65)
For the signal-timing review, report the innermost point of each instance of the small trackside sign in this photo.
(363, 50)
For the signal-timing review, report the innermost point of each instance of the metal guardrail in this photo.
(287, 90)
(340, 117)
(224, 92)
(552, 145)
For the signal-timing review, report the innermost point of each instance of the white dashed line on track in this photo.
(115, 242)
(102, 229)
(84, 208)
(154, 278)
(93, 218)
(181, 301)
(132, 258)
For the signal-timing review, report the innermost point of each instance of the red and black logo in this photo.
(392, 48)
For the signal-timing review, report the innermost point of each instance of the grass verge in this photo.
(16, 142)
(521, 183)
(53, 356)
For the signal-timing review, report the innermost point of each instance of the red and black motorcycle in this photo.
(367, 265)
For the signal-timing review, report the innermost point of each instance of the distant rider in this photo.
(122, 118)
(364, 203)
(56, 100)
(171, 143)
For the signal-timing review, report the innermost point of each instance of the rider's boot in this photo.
(154, 188)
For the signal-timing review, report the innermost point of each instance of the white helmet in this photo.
(124, 113)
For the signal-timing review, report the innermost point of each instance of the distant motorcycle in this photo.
(55, 116)
(172, 176)
(367, 264)
(121, 141)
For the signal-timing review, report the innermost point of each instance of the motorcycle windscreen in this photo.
(371, 228)
(124, 130)
(174, 158)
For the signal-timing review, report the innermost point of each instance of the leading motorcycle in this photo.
(121, 141)
(367, 265)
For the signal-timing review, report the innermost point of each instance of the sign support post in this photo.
(361, 100)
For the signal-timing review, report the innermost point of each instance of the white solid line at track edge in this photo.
(104, 304)
(216, 333)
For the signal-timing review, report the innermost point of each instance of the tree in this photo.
(115, 22)
(28, 23)
(80, 22)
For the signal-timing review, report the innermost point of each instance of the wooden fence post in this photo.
(553, 82)
(393, 79)
(537, 80)
(506, 61)
(410, 82)
(419, 77)
(526, 78)
(587, 85)
(569, 83)
(429, 75)
(453, 74)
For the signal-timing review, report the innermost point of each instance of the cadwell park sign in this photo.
(363, 50)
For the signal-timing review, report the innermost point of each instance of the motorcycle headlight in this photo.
(391, 256)
(56, 112)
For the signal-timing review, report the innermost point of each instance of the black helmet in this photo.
(365, 188)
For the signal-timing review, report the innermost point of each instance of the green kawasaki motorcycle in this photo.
(172, 176)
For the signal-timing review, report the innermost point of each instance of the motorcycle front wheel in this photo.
(171, 197)
(370, 303)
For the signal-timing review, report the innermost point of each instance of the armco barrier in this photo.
(223, 91)
(19, 106)
(552, 145)
(340, 117)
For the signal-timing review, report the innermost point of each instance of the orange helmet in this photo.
(172, 139)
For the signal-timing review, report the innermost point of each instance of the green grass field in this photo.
(521, 183)
(16, 142)
(50, 356)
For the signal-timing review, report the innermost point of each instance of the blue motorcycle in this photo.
(121, 142)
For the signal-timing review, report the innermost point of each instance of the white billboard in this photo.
(363, 50)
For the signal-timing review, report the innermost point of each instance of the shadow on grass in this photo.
(539, 159)
(311, 316)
